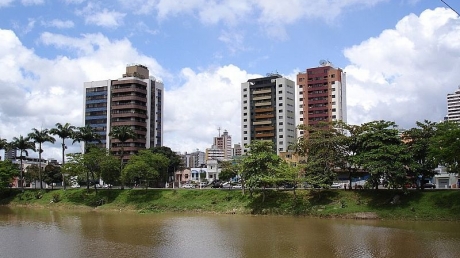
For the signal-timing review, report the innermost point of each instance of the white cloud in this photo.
(405, 73)
(5, 3)
(40, 92)
(95, 14)
(32, 2)
(205, 101)
(60, 24)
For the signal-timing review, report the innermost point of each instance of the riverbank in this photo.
(358, 204)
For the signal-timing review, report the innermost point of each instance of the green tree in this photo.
(3, 144)
(63, 131)
(40, 137)
(22, 144)
(382, 153)
(229, 170)
(418, 141)
(144, 166)
(175, 162)
(324, 144)
(32, 174)
(8, 171)
(289, 174)
(445, 146)
(87, 135)
(52, 175)
(259, 166)
(122, 134)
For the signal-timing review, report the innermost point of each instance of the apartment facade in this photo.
(453, 106)
(268, 111)
(322, 95)
(135, 100)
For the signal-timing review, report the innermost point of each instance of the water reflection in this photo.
(44, 233)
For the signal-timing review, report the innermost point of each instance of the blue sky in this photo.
(401, 57)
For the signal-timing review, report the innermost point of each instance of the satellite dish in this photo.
(323, 62)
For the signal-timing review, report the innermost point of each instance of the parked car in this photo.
(429, 185)
(188, 186)
(227, 185)
(336, 185)
(203, 184)
(237, 186)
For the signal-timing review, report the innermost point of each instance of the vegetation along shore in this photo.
(353, 204)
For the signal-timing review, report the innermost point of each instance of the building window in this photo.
(280, 92)
(245, 102)
(245, 96)
(245, 108)
(280, 111)
(280, 117)
(280, 130)
(245, 126)
(301, 119)
(332, 75)
(245, 120)
(245, 132)
(280, 123)
(280, 85)
(281, 136)
(280, 104)
(245, 89)
(280, 98)
(245, 114)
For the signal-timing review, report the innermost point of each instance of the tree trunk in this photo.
(40, 165)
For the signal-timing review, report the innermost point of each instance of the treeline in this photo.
(154, 166)
(379, 148)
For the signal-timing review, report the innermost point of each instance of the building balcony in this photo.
(128, 114)
(264, 128)
(262, 116)
(128, 106)
(263, 110)
(128, 98)
(261, 104)
(262, 91)
(262, 97)
(129, 89)
(265, 122)
(264, 135)
(128, 123)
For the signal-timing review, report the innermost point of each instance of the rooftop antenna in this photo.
(450, 7)
(218, 129)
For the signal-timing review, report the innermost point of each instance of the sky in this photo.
(401, 58)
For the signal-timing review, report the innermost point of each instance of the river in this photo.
(49, 233)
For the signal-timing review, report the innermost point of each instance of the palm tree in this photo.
(86, 134)
(3, 144)
(123, 134)
(40, 137)
(22, 144)
(63, 131)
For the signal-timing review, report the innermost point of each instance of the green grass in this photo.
(386, 204)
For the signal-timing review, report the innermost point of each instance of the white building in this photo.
(135, 100)
(453, 106)
(268, 111)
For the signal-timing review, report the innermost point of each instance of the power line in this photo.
(450, 7)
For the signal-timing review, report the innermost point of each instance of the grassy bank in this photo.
(383, 204)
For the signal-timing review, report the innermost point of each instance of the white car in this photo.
(237, 186)
(188, 186)
(336, 185)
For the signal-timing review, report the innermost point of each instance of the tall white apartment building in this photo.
(453, 106)
(268, 111)
(135, 100)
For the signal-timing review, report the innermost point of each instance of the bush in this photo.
(56, 198)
